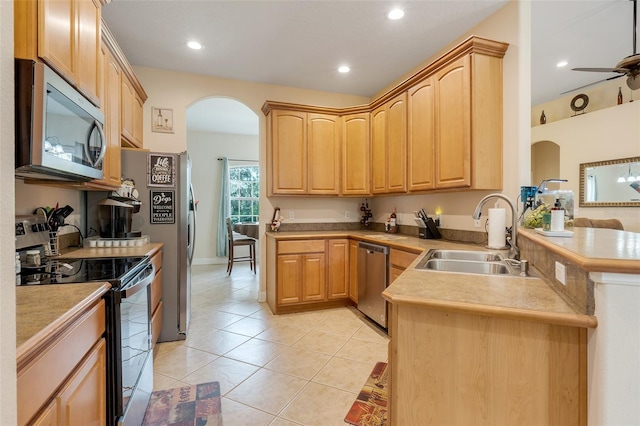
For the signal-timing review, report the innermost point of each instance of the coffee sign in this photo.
(161, 170)
(162, 206)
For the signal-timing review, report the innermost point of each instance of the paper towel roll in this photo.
(497, 227)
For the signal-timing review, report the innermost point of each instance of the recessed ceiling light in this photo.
(562, 64)
(396, 14)
(344, 69)
(194, 45)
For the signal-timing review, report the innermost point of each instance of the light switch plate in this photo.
(292, 215)
(561, 273)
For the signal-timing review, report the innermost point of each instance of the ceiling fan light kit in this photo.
(629, 66)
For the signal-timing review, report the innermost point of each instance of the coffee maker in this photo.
(116, 216)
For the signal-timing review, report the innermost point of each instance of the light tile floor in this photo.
(295, 369)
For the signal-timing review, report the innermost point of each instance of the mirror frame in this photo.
(584, 203)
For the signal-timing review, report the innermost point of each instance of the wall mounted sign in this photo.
(162, 207)
(161, 170)
(161, 120)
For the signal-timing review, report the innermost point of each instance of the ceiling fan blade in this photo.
(620, 70)
(591, 84)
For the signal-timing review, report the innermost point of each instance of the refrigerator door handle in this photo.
(191, 236)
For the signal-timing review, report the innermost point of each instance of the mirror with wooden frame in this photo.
(613, 183)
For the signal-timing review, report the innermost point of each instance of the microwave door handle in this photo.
(103, 142)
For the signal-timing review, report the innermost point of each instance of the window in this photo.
(244, 193)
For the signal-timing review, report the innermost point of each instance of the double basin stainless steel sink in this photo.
(472, 262)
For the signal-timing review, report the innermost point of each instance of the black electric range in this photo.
(114, 270)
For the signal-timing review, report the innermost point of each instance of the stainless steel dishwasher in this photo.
(373, 277)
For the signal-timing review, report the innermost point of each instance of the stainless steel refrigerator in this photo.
(167, 215)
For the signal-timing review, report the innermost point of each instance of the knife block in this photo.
(430, 232)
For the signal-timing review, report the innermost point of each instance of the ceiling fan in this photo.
(629, 66)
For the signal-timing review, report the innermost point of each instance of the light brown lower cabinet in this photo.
(156, 298)
(64, 382)
(307, 274)
(453, 368)
(399, 260)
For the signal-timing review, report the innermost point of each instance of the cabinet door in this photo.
(126, 110)
(88, 48)
(397, 144)
(356, 155)
(353, 271)
(323, 145)
(56, 34)
(379, 150)
(453, 125)
(111, 107)
(421, 136)
(49, 416)
(289, 152)
(83, 400)
(138, 106)
(314, 284)
(338, 269)
(289, 278)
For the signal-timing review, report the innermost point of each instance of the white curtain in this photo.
(224, 211)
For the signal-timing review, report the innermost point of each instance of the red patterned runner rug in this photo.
(186, 406)
(370, 407)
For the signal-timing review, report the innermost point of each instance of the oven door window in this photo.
(136, 339)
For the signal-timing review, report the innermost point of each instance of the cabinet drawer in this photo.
(301, 246)
(401, 258)
(38, 380)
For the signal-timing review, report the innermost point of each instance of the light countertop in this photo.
(529, 298)
(41, 309)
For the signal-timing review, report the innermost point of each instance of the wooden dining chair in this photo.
(239, 240)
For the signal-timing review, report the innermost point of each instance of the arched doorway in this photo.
(217, 127)
(545, 162)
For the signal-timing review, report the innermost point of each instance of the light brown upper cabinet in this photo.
(421, 136)
(389, 146)
(66, 35)
(323, 159)
(287, 152)
(131, 113)
(304, 153)
(468, 123)
(438, 130)
(356, 154)
(111, 108)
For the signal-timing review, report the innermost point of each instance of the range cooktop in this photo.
(66, 271)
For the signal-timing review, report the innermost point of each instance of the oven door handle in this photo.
(142, 280)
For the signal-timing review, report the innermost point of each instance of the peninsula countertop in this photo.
(528, 298)
(594, 249)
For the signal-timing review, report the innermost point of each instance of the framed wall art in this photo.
(161, 120)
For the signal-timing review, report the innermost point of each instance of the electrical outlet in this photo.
(561, 273)
(347, 214)
(476, 223)
(292, 215)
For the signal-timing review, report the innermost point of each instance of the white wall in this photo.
(204, 149)
(510, 24)
(606, 134)
(8, 407)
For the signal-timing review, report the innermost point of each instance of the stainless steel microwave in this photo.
(59, 133)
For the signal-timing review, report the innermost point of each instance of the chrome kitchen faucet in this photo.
(514, 253)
